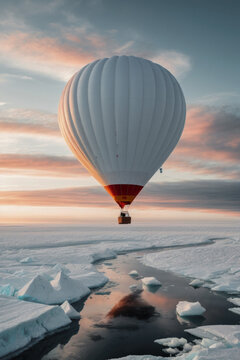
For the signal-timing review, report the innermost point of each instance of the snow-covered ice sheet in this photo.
(218, 263)
(28, 251)
(235, 301)
(229, 334)
(22, 322)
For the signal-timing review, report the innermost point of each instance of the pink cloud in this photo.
(43, 48)
(40, 165)
(210, 143)
(38, 129)
(211, 196)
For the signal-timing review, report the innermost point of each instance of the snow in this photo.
(186, 308)
(230, 334)
(171, 342)
(171, 351)
(235, 301)
(92, 279)
(22, 322)
(133, 273)
(196, 283)
(7, 290)
(26, 260)
(235, 310)
(103, 255)
(218, 263)
(70, 311)
(62, 288)
(151, 281)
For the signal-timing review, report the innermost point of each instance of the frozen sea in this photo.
(42, 266)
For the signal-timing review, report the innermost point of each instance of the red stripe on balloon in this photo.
(123, 194)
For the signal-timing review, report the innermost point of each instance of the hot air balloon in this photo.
(122, 117)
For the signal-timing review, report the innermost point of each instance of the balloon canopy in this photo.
(122, 117)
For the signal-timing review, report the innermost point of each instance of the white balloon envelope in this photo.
(122, 117)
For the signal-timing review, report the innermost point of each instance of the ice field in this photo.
(49, 265)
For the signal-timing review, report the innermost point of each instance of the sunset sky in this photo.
(43, 43)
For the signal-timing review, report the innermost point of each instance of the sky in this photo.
(43, 43)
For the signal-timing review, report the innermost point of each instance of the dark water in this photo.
(115, 323)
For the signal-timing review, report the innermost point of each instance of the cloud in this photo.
(229, 98)
(16, 127)
(6, 77)
(209, 195)
(28, 121)
(40, 165)
(177, 63)
(63, 47)
(84, 196)
(210, 142)
(42, 54)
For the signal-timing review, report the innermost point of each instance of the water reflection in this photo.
(132, 306)
(191, 320)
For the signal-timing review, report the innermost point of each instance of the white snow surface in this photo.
(218, 264)
(196, 283)
(23, 322)
(235, 301)
(36, 254)
(235, 310)
(151, 281)
(187, 308)
(230, 334)
(70, 311)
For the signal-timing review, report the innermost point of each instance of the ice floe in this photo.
(196, 283)
(133, 287)
(70, 311)
(151, 281)
(103, 255)
(62, 288)
(235, 310)
(171, 341)
(133, 273)
(235, 301)
(186, 308)
(22, 322)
